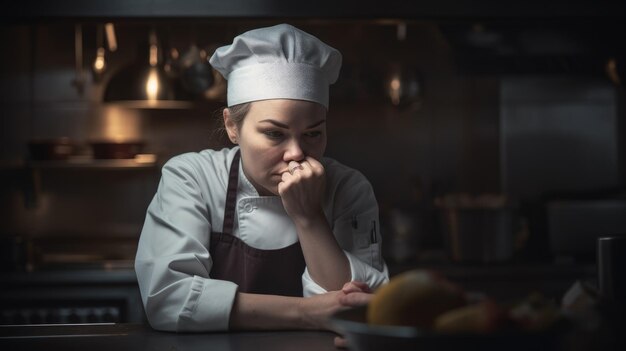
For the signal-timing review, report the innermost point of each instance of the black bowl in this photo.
(365, 337)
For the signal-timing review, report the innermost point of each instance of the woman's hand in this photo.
(316, 310)
(356, 294)
(302, 189)
(302, 192)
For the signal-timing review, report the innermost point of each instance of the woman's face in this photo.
(275, 132)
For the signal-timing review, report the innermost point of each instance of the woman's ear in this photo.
(231, 126)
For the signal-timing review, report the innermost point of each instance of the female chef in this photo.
(268, 234)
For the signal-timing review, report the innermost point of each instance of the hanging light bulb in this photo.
(395, 90)
(99, 63)
(152, 85)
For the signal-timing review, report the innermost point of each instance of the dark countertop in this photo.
(121, 337)
(499, 281)
(136, 337)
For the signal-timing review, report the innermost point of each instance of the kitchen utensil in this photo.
(79, 80)
(111, 37)
(611, 263)
(196, 73)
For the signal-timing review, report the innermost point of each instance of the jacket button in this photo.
(248, 208)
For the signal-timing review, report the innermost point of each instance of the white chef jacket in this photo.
(173, 263)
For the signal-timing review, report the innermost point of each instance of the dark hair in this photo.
(237, 115)
(239, 112)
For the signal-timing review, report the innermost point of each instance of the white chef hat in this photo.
(277, 62)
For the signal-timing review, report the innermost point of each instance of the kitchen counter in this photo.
(508, 280)
(608, 335)
(70, 296)
(121, 337)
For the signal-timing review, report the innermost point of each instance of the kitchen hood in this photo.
(146, 83)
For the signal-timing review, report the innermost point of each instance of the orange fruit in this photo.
(413, 298)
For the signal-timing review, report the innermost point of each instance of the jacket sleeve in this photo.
(173, 261)
(357, 230)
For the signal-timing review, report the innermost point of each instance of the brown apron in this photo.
(274, 272)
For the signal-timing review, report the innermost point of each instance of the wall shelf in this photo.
(93, 164)
(113, 164)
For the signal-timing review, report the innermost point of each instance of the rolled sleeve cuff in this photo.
(359, 271)
(362, 272)
(309, 286)
(208, 305)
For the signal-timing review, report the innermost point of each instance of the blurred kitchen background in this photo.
(494, 135)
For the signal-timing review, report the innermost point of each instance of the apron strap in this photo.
(231, 195)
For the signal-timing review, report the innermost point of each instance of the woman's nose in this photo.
(294, 152)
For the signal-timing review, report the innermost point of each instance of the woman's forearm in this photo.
(256, 311)
(326, 262)
(272, 312)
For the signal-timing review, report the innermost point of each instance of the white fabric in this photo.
(277, 62)
(173, 264)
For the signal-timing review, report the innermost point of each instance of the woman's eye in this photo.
(313, 134)
(273, 134)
